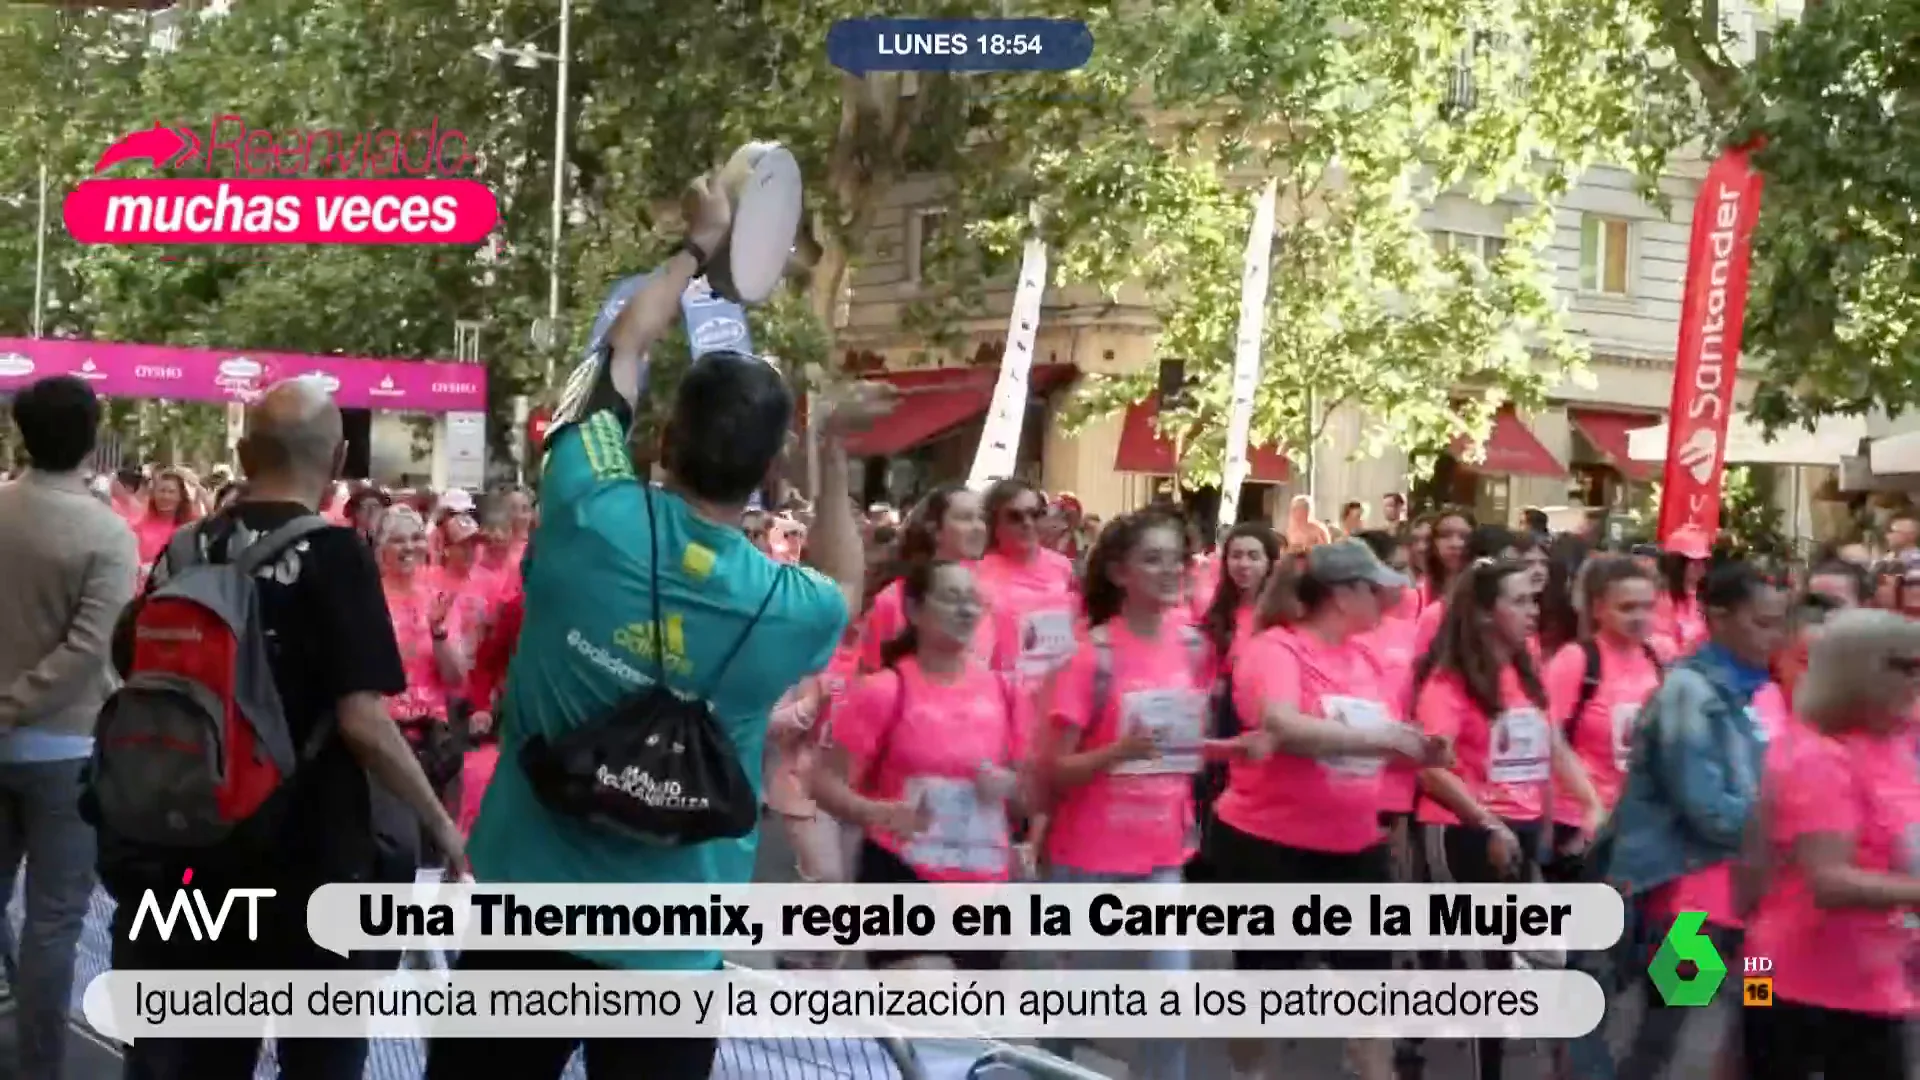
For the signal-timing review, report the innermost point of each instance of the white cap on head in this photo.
(457, 501)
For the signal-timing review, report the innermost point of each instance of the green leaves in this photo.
(1141, 166)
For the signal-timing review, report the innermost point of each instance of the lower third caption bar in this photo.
(740, 1004)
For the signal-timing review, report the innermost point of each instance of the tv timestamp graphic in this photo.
(863, 45)
(301, 186)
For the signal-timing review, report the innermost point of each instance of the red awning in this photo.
(1512, 449)
(1143, 450)
(933, 403)
(1608, 431)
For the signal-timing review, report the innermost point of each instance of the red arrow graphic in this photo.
(161, 145)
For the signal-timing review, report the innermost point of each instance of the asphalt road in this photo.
(1317, 1059)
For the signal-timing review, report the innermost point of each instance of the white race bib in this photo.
(964, 834)
(1046, 641)
(1177, 721)
(1624, 715)
(1360, 714)
(1139, 805)
(1520, 748)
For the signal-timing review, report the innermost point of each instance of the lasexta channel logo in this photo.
(270, 186)
(1685, 944)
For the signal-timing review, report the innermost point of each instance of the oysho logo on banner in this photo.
(320, 186)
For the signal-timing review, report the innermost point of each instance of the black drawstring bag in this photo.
(657, 768)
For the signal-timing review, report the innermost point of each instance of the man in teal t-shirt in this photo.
(590, 639)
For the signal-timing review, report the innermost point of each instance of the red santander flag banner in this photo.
(1708, 356)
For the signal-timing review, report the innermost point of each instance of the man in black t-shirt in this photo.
(333, 657)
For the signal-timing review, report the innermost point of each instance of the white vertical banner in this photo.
(999, 448)
(1246, 350)
(466, 448)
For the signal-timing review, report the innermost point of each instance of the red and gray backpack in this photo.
(195, 741)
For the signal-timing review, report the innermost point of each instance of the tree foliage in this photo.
(1141, 168)
(1833, 317)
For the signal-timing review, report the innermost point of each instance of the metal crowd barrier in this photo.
(739, 1059)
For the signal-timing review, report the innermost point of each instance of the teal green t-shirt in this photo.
(589, 641)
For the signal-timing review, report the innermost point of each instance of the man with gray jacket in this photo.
(69, 564)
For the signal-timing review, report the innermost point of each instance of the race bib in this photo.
(1143, 807)
(1361, 715)
(963, 835)
(1519, 749)
(1177, 721)
(1046, 641)
(1624, 716)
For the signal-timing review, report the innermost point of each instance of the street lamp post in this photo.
(40, 260)
(529, 57)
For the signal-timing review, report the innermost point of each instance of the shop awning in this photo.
(1832, 438)
(933, 403)
(1512, 449)
(1609, 433)
(1143, 450)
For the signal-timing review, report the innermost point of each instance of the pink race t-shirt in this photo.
(912, 737)
(1602, 735)
(1316, 804)
(1034, 610)
(1678, 625)
(1428, 626)
(477, 594)
(410, 606)
(152, 533)
(1864, 787)
(1710, 889)
(1504, 760)
(1138, 818)
(1391, 645)
(887, 616)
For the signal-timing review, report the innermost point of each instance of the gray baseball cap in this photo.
(1348, 561)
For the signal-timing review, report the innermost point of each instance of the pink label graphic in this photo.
(398, 190)
(180, 374)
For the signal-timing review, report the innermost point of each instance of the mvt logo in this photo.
(191, 906)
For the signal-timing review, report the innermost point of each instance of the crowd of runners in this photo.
(990, 686)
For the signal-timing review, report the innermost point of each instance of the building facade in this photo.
(1620, 263)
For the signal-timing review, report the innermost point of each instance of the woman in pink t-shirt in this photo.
(1679, 626)
(170, 505)
(1596, 686)
(1308, 811)
(1029, 590)
(1840, 812)
(1445, 556)
(1495, 542)
(922, 754)
(1391, 644)
(1126, 731)
(423, 624)
(1478, 688)
(949, 524)
(1249, 551)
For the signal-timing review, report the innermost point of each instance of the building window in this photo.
(1484, 248)
(1604, 243)
(1762, 44)
(923, 233)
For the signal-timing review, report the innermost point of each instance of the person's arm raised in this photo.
(651, 312)
(833, 546)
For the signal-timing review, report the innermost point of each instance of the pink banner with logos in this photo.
(179, 374)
